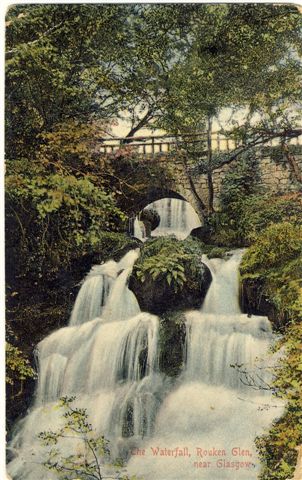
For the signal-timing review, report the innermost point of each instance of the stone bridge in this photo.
(166, 172)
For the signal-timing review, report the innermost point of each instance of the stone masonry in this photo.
(276, 177)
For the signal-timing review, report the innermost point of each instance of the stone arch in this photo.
(155, 194)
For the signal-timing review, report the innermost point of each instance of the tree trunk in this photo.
(209, 173)
(292, 162)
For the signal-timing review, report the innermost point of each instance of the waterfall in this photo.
(177, 217)
(139, 230)
(220, 335)
(108, 357)
(104, 281)
(207, 424)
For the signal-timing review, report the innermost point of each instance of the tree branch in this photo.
(260, 140)
(10, 53)
(140, 124)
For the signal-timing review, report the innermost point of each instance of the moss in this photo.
(172, 336)
(112, 245)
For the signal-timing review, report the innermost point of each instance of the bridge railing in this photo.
(156, 144)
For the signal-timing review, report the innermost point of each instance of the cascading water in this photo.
(103, 281)
(177, 217)
(139, 230)
(107, 357)
(109, 362)
(206, 425)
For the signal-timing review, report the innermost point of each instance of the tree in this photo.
(244, 57)
(86, 61)
(93, 453)
(18, 368)
(59, 67)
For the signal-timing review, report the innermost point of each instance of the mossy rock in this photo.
(170, 275)
(218, 252)
(254, 301)
(172, 343)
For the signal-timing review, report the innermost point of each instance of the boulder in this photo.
(157, 296)
(151, 217)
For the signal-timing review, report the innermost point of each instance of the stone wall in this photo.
(276, 177)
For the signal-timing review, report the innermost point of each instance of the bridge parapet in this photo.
(156, 144)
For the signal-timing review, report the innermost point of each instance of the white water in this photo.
(177, 217)
(211, 411)
(103, 281)
(110, 363)
(139, 230)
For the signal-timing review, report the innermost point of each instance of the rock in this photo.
(156, 296)
(202, 233)
(150, 219)
(172, 343)
(115, 250)
(254, 302)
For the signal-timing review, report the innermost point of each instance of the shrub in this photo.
(17, 365)
(167, 262)
(53, 215)
(246, 209)
(170, 260)
(275, 246)
(217, 252)
(277, 448)
(275, 259)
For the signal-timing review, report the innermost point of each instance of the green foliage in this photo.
(251, 42)
(259, 211)
(92, 453)
(217, 252)
(52, 73)
(275, 259)
(17, 365)
(246, 210)
(239, 184)
(113, 245)
(241, 180)
(275, 246)
(167, 264)
(175, 262)
(55, 215)
(277, 447)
